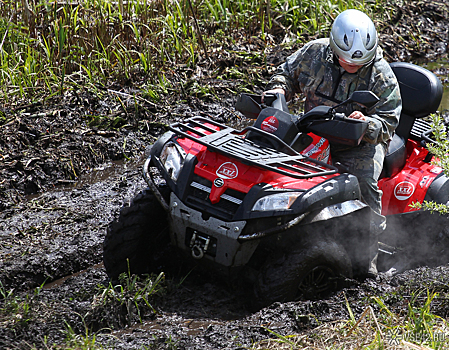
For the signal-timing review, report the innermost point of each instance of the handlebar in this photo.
(251, 105)
(277, 101)
(321, 120)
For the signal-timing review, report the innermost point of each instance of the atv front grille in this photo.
(230, 142)
(224, 196)
(198, 197)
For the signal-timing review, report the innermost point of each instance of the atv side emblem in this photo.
(404, 190)
(227, 171)
(436, 170)
(424, 182)
(270, 124)
(218, 182)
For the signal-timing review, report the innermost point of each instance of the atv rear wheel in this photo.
(134, 241)
(309, 271)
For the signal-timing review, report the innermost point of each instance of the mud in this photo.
(67, 166)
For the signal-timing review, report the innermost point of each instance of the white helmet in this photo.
(353, 37)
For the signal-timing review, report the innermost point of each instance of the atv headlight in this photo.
(278, 201)
(172, 157)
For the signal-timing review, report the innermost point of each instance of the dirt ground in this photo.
(69, 164)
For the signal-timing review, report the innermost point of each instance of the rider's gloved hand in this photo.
(374, 127)
(357, 115)
(272, 91)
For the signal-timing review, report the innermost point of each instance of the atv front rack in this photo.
(231, 142)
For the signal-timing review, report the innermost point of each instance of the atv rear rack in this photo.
(230, 142)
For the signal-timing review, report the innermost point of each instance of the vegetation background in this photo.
(49, 47)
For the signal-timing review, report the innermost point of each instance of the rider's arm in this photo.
(384, 116)
(288, 73)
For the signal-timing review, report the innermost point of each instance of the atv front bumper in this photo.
(211, 238)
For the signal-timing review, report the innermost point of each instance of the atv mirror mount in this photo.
(365, 98)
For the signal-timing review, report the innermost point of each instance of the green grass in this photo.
(17, 310)
(413, 327)
(440, 150)
(131, 299)
(75, 341)
(53, 46)
(132, 293)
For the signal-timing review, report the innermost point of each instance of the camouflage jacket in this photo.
(313, 71)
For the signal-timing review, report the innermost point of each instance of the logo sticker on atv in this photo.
(425, 181)
(218, 182)
(312, 149)
(227, 171)
(436, 170)
(270, 124)
(404, 190)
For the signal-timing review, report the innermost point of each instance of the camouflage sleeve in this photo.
(286, 76)
(384, 116)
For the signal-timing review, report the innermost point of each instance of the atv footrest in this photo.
(221, 138)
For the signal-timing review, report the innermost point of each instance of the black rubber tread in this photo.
(285, 275)
(137, 236)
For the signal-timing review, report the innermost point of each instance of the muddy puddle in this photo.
(67, 219)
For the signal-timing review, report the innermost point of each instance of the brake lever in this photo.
(339, 116)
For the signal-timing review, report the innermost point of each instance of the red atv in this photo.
(265, 204)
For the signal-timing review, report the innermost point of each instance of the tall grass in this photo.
(48, 46)
(132, 293)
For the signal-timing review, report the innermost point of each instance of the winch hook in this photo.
(197, 251)
(199, 245)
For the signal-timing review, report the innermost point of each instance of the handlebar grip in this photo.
(268, 99)
(277, 101)
(340, 116)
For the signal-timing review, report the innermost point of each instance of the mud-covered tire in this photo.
(134, 241)
(310, 271)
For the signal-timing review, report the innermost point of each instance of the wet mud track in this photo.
(51, 257)
(196, 310)
(71, 226)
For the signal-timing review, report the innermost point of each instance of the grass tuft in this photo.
(417, 329)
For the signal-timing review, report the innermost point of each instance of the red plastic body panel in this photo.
(399, 191)
(242, 177)
(319, 149)
(409, 185)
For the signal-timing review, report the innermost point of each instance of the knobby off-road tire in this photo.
(135, 240)
(309, 271)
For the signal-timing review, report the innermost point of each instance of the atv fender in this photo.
(336, 210)
(439, 190)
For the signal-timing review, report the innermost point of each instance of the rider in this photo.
(327, 71)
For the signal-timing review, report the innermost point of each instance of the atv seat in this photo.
(421, 93)
(395, 158)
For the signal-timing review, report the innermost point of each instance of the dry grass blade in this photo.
(369, 310)
(414, 346)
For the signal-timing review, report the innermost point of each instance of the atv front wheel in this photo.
(135, 239)
(310, 271)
